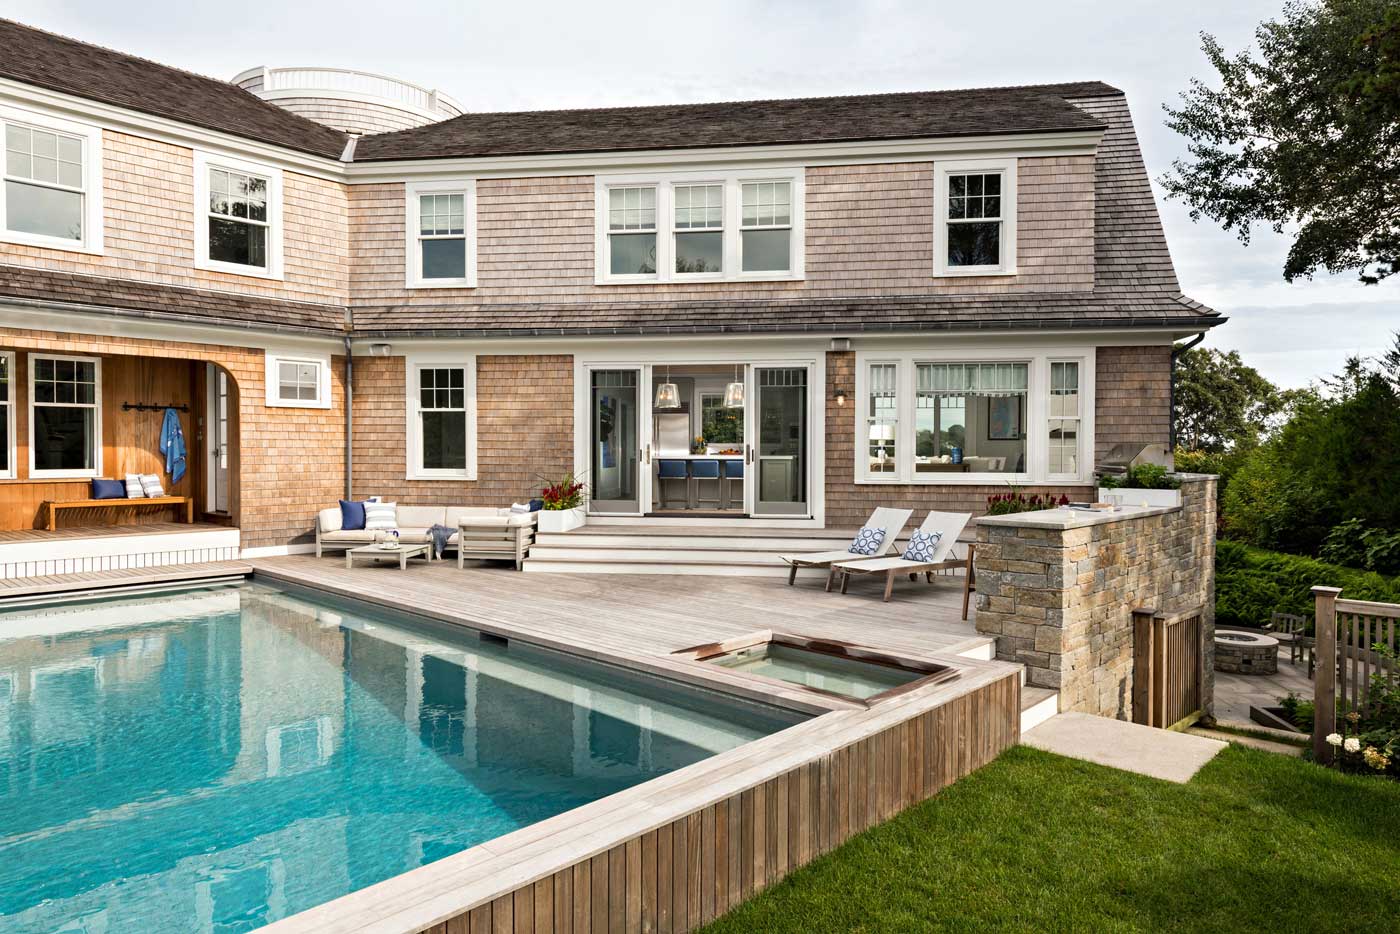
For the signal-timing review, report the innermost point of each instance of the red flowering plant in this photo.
(1002, 504)
(567, 493)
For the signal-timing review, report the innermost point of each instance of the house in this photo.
(345, 282)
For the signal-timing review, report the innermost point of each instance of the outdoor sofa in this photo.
(482, 531)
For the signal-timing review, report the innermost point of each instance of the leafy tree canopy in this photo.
(1221, 403)
(1304, 137)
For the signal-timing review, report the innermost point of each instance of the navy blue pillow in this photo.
(108, 489)
(352, 515)
(536, 505)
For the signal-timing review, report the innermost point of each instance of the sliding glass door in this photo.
(778, 449)
(618, 412)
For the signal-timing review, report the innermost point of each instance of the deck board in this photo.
(653, 613)
(107, 531)
(17, 587)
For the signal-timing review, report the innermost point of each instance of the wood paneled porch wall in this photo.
(690, 871)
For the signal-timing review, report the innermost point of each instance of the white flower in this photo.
(1334, 739)
(1352, 744)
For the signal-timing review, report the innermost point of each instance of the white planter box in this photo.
(560, 520)
(1131, 497)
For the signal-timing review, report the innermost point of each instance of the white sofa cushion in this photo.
(347, 535)
(421, 517)
(329, 520)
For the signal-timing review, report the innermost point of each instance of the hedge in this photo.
(1251, 584)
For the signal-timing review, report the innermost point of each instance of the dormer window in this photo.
(238, 216)
(975, 204)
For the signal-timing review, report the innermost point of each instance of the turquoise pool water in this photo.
(214, 760)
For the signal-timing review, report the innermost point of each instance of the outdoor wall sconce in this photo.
(840, 397)
(379, 350)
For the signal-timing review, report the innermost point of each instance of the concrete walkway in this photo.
(1164, 754)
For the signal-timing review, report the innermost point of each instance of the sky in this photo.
(548, 54)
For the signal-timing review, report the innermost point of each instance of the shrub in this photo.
(1353, 545)
(1003, 504)
(1251, 583)
(1142, 477)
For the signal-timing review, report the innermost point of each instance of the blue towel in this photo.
(172, 445)
(441, 534)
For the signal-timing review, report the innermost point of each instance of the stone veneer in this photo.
(1057, 590)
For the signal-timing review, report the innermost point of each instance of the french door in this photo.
(778, 440)
(619, 440)
(217, 437)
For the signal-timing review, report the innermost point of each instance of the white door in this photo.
(218, 438)
(619, 461)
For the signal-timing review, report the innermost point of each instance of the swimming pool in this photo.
(216, 759)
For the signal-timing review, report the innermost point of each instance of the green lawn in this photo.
(1036, 842)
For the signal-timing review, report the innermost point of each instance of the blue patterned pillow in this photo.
(867, 541)
(921, 546)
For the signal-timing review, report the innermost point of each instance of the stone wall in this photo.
(1057, 590)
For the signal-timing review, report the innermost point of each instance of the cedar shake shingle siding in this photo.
(1132, 397)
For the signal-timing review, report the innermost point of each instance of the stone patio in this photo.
(1236, 693)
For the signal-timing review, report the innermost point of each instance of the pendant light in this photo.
(734, 392)
(667, 395)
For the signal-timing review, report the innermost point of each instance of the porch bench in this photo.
(54, 506)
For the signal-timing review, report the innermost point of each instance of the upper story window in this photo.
(687, 226)
(65, 418)
(51, 195)
(976, 217)
(238, 216)
(973, 420)
(441, 234)
(295, 381)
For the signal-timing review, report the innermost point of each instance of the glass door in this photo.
(618, 460)
(778, 433)
(218, 395)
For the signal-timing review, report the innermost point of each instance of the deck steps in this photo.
(1037, 706)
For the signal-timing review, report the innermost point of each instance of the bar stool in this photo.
(701, 471)
(733, 470)
(671, 470)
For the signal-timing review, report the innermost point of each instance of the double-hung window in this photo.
(441, 228)
(51, 190)
(739, 225)
(301, 382)
(976, 211)
(442, 419)
(766, 227)
(7, 414)
(946, 419)
(238, 216)
(699, 231)
(65, 418)
(632, 231)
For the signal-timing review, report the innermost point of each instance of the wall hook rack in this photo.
(154, 406)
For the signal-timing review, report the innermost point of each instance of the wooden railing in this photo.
(1167, 660)
(1347, 663)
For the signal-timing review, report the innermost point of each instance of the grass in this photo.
(1037, 842)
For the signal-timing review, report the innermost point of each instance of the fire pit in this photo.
(1246, 653)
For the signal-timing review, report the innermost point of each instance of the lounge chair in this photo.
(950, 524)
(891, 520)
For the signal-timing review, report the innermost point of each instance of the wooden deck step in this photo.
(24, 588)
(1037, 706)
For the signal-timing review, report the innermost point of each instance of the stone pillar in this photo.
(1057, 589)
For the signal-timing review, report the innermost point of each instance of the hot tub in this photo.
(1246, 653)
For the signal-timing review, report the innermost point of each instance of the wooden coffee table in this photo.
(400, 553)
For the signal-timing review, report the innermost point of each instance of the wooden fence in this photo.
(1167, 667)
(1348, 633)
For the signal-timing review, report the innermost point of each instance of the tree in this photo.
(1222, 404)
(1305, 137)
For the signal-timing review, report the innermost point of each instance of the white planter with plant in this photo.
(1144, 485)
(563, 506)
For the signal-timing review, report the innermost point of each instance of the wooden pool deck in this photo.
(656, 613)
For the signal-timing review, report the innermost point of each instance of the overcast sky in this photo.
(548, 54)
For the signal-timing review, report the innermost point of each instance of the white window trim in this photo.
(8, 415)
(413, 261)
(273, 383)
(96, 469)
(665, 183)
(1036, 423)
(91, 136)
(203, 162)
(941, 171)
(413, 455)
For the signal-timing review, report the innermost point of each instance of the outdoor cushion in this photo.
(415, 535)
(921, 546)
(382, 517)
(867, 541)
(340, 535)
(420, 517)
(352, 515)
(133, 487)
(150, 485)
(108, 489)
(328, 520)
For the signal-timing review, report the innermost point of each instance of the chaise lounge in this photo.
(891, 520)
(948, 525)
